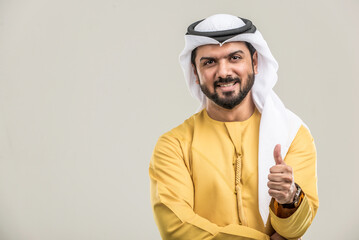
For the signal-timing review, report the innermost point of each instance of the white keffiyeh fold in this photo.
(278, 125)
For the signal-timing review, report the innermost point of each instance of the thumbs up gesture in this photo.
(281, 180)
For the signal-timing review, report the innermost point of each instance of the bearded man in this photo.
(221, 174)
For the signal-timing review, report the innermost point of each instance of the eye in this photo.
(235, 57)
(208, 62)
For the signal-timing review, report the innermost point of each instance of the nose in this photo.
(224, 69)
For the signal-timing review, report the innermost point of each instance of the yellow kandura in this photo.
(204, 181)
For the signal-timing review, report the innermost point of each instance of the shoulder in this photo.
(301, 132)
(179, 139)
(302, 151)
(174, 144)
(184, 131)
(303, 139)
(300, 138)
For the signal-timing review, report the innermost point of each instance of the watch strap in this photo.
(296, 200)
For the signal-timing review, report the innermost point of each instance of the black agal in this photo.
(222, 36)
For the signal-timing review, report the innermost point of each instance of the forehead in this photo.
(216, 49)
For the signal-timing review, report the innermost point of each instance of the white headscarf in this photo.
(278, 125)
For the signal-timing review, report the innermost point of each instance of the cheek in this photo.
(206, 76)
(244, 68)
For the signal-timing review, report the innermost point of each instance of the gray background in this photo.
(87, 87)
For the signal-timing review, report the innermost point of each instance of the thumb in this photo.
(277, 155)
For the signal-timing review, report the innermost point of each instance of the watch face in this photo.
(298, 197)
(297, 194)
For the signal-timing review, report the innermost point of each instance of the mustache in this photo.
(226, 80)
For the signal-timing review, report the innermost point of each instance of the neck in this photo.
(240, 113)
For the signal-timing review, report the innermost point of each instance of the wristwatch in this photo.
(296, 200)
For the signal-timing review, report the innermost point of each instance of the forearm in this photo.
(302, 158)
(294, 226)
(172, 198)
(180, 222)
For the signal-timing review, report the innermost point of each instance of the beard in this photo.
(230, 99)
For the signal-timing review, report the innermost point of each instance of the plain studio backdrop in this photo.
(87, 87)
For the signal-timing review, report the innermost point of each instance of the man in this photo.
(221, 174)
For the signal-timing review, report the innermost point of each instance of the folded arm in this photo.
(172, 197)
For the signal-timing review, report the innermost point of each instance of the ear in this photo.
(195, 73)
(255, 62)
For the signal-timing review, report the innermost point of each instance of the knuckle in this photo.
(287, 178)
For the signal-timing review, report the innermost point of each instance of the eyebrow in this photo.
(229, 55)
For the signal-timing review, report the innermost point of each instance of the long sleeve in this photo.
(301, 157)
(172, 198)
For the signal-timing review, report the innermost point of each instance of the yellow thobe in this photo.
(204, 181)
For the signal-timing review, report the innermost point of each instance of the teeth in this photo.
(227, 85)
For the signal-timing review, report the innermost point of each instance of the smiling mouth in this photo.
(226, 85)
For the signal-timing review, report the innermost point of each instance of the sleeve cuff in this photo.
(296, 224)
(284, 212)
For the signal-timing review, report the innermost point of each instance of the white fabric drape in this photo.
(278, 125)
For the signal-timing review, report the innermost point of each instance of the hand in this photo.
(281, 181)
(276, 236)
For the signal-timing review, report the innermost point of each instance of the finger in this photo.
(275, 177)
(276, 236)
(277, 155)
(279, 186)
(277, 195)
(279, 169)
(279, 177)
(285, 169)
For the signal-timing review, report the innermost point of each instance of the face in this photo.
(225, 73)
